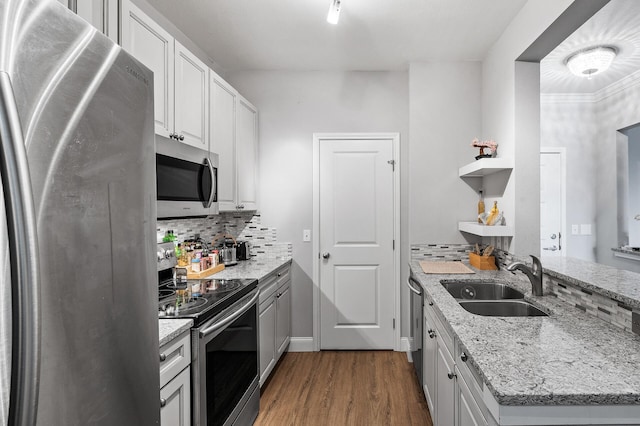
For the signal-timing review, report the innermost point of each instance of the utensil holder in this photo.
(487, 263)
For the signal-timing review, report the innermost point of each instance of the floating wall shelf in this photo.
(476, 228)
(485, 166)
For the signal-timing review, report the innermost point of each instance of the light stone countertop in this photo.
(618, 284)
(169, 329)
(255, 268)
(567, 358)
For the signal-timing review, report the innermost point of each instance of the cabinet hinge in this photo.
(393, 164)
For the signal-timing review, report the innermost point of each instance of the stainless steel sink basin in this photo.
(502, 308)
(478, 290)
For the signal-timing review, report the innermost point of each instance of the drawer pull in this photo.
(464, 357)
(431, 333)
(430, 303)
(451, 376)
(163, 357)
(163, 402)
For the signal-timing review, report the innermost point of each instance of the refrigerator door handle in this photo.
(23, 254)
(213, 182)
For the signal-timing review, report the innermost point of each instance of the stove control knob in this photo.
(168, 254)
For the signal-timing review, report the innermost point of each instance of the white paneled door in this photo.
(552, 237)
(356, 202)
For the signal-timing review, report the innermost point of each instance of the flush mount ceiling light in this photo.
(334, 12)
(592, 61)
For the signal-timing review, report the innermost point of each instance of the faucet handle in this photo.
(537, 265)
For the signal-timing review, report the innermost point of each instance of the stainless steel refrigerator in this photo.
(78, 290)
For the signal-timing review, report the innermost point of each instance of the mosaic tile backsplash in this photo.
(243, 226)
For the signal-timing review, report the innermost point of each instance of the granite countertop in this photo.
(254, 268)
(567, 358)
(171, 328)
(608, 281)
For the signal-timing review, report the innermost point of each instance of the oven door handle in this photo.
(412, 288)
(217, 326)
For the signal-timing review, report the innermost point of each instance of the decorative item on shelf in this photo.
(480, 206)
(491, 145)
(493, 218)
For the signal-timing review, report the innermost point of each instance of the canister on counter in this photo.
(195, 265)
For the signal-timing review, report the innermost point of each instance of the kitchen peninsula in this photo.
(570, 367)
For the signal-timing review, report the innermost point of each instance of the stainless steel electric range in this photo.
(224, 338)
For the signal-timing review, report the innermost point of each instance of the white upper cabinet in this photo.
(234, 137)
(247, 154)
(102, 14)
(153, 46)
(191, 98)
(222, 120)
(181, 80)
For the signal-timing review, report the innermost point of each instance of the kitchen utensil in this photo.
(487, 251)
(243, 250)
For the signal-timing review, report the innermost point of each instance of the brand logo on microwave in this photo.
(137, 75)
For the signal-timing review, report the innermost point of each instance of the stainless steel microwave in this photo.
(186, 180)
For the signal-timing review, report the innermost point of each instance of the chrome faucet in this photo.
(534, 274)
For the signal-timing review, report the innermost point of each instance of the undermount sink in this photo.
(502, 308)
(479, 290)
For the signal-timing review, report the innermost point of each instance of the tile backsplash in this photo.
(243, 226)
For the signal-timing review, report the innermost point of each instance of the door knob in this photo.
(326, 255)
(553, 236)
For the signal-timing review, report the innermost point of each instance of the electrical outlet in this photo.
(575, 229)
(306, 235)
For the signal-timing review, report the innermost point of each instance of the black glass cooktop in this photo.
(201, 300)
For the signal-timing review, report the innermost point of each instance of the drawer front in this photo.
(273, 281)
(470, 374)
(441, 331)
(174, 357)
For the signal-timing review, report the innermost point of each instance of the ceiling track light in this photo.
(334, 12)
(591, 61)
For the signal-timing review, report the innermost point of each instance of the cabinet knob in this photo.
(430, 303)
(464, 357)
(451, 375)
(431, 333)
(163, 402)
(163, 357)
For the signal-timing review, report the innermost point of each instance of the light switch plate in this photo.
(306, 235)
(575, 230)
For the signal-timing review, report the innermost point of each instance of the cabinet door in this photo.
(153, 46)
(247, 154)
(445, 384)
(222, 124)
(191, 98)
(267, 338)
(469, 413)
(102, 14)
(429, 354)
(283, 317)
(175, 400)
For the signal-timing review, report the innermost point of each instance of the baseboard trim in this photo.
(406, 343)
(301, 344)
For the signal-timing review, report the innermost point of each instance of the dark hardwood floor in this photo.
(343, 388)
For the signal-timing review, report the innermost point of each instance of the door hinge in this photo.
(393, 164)
(394, 323)
(394, 244)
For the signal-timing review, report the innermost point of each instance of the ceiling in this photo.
(616, 24)
(372, 35)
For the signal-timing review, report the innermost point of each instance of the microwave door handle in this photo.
(213, 183)
(23, 257)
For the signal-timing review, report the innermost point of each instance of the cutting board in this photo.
(442, 267)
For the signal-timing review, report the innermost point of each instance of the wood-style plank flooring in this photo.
(343, 388)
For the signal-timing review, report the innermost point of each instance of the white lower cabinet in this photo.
(448, 383)
(275, 319)
(175, 382)
(175, 400)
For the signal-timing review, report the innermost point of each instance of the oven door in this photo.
(225, 379)
(186, 180)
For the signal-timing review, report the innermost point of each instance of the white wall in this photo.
(572, 124)
(634, 190)
(294, 105)
(588, 126)
(499, 120)
(445, 116)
